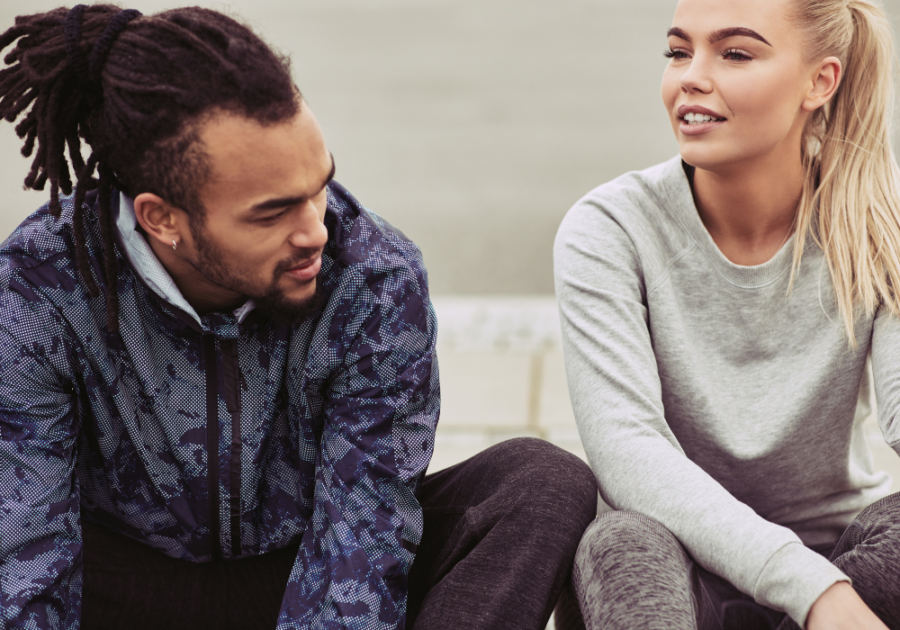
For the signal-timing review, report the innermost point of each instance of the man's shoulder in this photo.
(40, 251)
(365, 244)
(43, 302)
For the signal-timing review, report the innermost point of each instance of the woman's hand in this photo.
(840, 608)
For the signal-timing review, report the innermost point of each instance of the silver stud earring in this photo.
(174, 244)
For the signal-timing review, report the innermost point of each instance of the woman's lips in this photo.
(690, 116)
(307, 271)
(695, 129)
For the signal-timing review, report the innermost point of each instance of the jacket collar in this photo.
(147, 265)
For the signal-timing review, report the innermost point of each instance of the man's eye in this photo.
(272, 218)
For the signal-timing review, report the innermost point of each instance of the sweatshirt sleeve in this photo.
(380, 419)
(40, 528)
(886, 374)
(616, 395)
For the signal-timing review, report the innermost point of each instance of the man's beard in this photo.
(280, 310)
(271, 303)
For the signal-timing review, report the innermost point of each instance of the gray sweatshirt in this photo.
(710, 399)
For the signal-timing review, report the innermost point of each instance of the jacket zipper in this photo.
(232, 391)
(212, 444)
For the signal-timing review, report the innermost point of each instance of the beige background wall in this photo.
(472, 125)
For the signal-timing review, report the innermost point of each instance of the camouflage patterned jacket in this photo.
(321, 431)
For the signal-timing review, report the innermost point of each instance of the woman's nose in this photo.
(696, 77)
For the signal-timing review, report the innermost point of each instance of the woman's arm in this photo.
(841, 608)
(617, 398)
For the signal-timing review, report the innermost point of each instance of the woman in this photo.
(717, 313)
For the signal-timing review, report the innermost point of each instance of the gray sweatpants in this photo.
(631, 573)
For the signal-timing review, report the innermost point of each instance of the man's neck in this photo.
(199, 292)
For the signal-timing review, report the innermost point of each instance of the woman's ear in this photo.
(159, 220)
(824, 82)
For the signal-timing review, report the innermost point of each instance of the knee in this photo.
(631, 571)
(881, 514)
(867, 553)
(617, 535)
(553, 477)
(878, 522)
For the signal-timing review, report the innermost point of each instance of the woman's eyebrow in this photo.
(722, 33)
(677, 32)
(736, 31)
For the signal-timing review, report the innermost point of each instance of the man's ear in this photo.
(160, 220)
(826, 77)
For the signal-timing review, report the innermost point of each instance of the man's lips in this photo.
(306, 270)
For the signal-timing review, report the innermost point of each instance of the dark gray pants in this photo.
(632, 573)
(501, 530)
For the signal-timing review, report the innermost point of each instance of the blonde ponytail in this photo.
(851, 195)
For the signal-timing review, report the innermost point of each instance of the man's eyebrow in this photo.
(273, 204)
(722, 33)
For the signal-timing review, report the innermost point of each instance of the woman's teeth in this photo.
(699, 119)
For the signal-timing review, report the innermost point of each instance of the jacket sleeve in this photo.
(40, 529)
(381, 413)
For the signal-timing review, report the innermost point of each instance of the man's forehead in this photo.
(231, 134)
(253, 162)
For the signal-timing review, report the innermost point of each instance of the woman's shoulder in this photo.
(643, 207)
(637, 190)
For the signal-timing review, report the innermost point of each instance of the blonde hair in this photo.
(850, 203)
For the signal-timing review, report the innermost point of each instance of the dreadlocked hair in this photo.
(134, 90)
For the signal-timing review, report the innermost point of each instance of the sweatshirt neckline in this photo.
(678, 189)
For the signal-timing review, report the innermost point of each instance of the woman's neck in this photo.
(749, 209)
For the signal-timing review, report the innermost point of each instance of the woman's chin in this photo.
(698, 159)
(710, 158)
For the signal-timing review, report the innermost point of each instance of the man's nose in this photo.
(309, 231)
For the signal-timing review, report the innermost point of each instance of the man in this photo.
(219, 387)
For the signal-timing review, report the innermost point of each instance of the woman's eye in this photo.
(675, 53)
(736, 55)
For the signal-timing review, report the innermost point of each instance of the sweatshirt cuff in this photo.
(794, 578)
